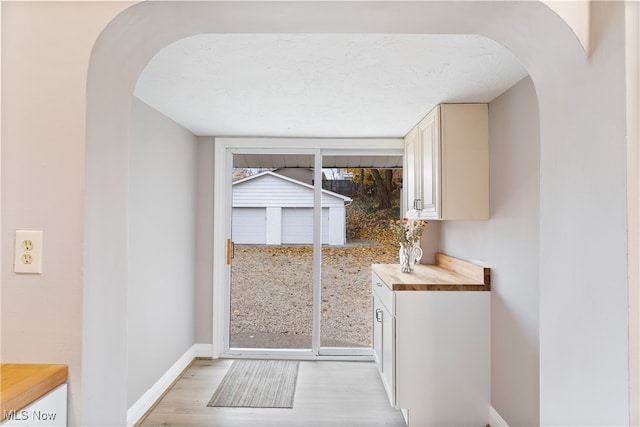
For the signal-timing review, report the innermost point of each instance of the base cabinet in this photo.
(434, 354)
(50, 410)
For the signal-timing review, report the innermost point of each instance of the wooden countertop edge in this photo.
(22, 386)
(469, 277)
(462, 287)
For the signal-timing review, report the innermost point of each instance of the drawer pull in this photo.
(379, 284)
(379, 315)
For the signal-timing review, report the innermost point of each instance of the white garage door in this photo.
(297, 225)
(248, 225)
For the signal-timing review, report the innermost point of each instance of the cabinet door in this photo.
(388, 355)
(383, 346)
(412, 177)
(377, 332)
(429, 137)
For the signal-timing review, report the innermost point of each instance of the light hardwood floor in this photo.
(328, 394)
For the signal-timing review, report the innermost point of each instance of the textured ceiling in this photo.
(320, 85)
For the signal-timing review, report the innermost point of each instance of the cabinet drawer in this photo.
(383, 293)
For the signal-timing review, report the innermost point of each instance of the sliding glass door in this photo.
(299, 257)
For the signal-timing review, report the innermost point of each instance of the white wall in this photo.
(509, 243)
(577, 15)
(581, 105)
(45, 53)
(337, 225)
(204, 240)
(273, 220)
(162, 214)
(583, 237)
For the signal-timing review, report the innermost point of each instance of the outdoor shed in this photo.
(273, 209)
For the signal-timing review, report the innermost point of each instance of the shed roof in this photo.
(291, 180)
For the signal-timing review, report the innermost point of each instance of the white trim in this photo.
(203, 350)
(251, 353)
(225, 147)
(221, 231)
(405, 415)
(151, 396)
(317, 248)
(334, 146)
(495, 420)
(632, 49)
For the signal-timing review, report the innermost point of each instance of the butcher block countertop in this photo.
(21, 384)
(448, 274)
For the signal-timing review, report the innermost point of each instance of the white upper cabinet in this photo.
(410, 167)
(446, 167)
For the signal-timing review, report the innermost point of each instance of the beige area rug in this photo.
(257, 384)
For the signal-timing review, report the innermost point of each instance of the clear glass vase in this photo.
(409, 255)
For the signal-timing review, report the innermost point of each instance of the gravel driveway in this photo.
(271, 295)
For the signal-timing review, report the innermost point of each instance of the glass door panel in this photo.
(271, 295)
(359, 202)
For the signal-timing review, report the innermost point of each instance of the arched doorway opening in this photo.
(148, 27)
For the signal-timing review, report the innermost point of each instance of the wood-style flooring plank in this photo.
(328, 394)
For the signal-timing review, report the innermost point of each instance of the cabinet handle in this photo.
(379, 315)
(378, 284)
(417, 204)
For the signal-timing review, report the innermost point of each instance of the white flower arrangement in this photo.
(407, 232)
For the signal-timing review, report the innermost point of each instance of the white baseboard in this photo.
(495, 420)
(203, 350)
(149, 398)
(405, 415)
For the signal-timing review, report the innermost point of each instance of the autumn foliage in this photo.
(383, 185)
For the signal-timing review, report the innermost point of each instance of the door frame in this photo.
(225, 147)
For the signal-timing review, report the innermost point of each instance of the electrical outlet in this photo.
(28, 252)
